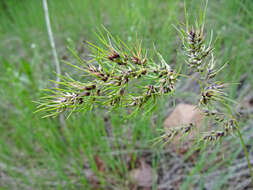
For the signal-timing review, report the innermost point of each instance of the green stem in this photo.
(246, 152)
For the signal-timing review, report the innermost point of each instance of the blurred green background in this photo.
(40, 153)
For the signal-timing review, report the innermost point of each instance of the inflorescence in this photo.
(117, 76)
(200, 58)
(120, 76)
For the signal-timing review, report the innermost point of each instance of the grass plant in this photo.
(40, 154)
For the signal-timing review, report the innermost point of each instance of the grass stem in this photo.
(246, 152)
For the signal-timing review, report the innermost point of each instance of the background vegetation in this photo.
(40, 153)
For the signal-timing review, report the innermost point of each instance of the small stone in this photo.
(184, 115)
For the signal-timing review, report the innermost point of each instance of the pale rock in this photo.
(183, 115)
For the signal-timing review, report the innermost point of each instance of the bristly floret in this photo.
(196, 49)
